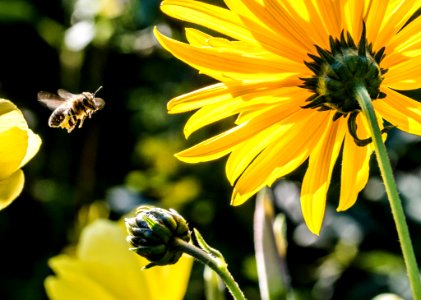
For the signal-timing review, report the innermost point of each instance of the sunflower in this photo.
(286, 69)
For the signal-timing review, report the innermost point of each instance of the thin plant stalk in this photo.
(366, 105)
(219, 267)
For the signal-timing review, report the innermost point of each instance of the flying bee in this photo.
(70, 109)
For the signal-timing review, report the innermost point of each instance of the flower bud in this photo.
(152, 233)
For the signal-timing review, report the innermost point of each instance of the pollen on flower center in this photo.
(336, 73)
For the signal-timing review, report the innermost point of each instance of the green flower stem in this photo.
(364, 101)
(219, 267)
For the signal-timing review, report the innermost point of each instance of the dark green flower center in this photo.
(336, 73)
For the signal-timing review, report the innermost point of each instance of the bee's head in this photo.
(99, 103)
(91, 101)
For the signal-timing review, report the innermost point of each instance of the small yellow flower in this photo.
(104, 268)
(286, 70)
(18, 145)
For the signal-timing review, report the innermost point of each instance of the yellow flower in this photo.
(104, 268)
(287, 69)
(18, 145)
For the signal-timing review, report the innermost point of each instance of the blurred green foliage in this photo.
(123, 157)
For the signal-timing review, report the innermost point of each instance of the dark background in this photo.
(123, 157)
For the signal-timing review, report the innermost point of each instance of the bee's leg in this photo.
(81, 122)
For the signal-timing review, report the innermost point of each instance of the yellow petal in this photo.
(209, 60)
(14, 142)
(353, 16)
(209, 16)
(405, 75)
(397, 14)
(223, 143)
(10, 188)
(213, 113)
(208, 95)
(400, 111)
(244, 27)
(242, 156)
(217, 146)
(269, 96)
(405, 41)
(198, 38)
(278, 19)
(222, 92)
(317, 177)
(325, 14)
(262, 98)
(288, 145)
(375, 18)
(355, 167)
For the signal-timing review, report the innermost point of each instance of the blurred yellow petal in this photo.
(34, 143)
(14, 143)
(6, 106)
(173, 277)
(104, 268)
(18, 145)
(73, 282)
(10, 116)
(10, 188)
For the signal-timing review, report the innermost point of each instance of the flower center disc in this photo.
(337, 80)
(336, 73)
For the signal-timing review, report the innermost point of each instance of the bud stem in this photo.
(220, 267)
(366, 105)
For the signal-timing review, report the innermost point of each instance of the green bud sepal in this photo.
(152, 234)
(162, 236)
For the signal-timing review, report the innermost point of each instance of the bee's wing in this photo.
(65, 94)
(50, 100)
